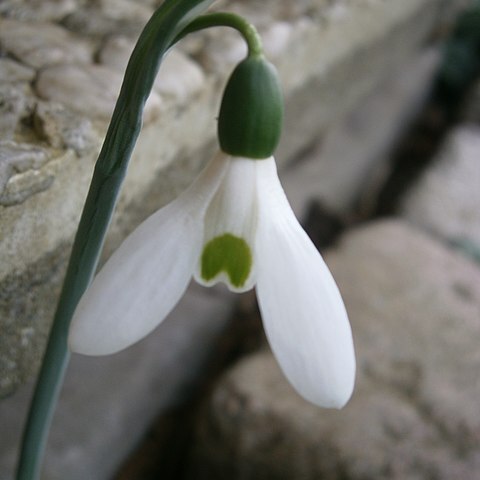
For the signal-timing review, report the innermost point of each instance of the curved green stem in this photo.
(225, 19)
(110, 169)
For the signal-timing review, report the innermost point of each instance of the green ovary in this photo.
(229, 254)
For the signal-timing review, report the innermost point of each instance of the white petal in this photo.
(303, 312)
(144, 279)
(233, 211)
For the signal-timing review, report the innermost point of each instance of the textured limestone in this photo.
(351, 155)
(63, 129)
(37, 10)
(180, 78)
(18, 158)
(108, 17)
(109, 402)
(41, 44)
(24, 300)
(15, 104)
(90, 90)
(12, 71)
(116, 51)
(472, 107)
(414, 308)
(27, 235)
(445, 199)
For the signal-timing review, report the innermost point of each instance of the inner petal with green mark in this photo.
(229, 255)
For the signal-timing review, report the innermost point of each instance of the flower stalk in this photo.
(225, 19)
(158, 35)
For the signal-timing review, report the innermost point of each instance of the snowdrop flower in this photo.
(235, 225)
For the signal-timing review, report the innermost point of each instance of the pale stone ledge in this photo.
(65, 72)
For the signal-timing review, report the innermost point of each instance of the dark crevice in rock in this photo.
(417, 149)
(165, 451)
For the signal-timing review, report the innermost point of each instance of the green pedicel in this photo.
(229, 254)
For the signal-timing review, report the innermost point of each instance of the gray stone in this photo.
(275, 39)
(277, 10)
(90, 21)
(90, 90)
(227, 46)
(445, 199)
(36, 227)
(64, 129)
(18, 158)
(449, 11)
(180, 78)
(471, 112)
(41, 44)
(344, 167)
(20, 174)
(223, 48)
(24, 186)
(108, 402)
(13, 72)
(37, 10)
(415, 309)
(125, 10)
(15, 103)
(24, 300)
(116, 51)
(109, 17)
(329, 77)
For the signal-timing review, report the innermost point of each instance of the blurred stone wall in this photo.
(61, 66)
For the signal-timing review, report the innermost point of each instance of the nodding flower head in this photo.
(233, 225)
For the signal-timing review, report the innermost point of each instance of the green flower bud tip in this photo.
(251, 113)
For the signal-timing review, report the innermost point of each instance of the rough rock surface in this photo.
(445, 199)
(63, 129)
(414, 306)
(42, 44)
(43, 10)
(471, 113)
(180, 77)
(15, 104)
(352, 153)
(12, 71)
(108, 402)
(18, 158)
(90, 90)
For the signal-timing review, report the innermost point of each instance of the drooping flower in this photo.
(234, 224)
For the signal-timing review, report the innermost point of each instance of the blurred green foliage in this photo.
(461, 55)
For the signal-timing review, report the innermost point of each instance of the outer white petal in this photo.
(303, 312)
(144, 279)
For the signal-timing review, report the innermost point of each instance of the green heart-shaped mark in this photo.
(229, 254)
